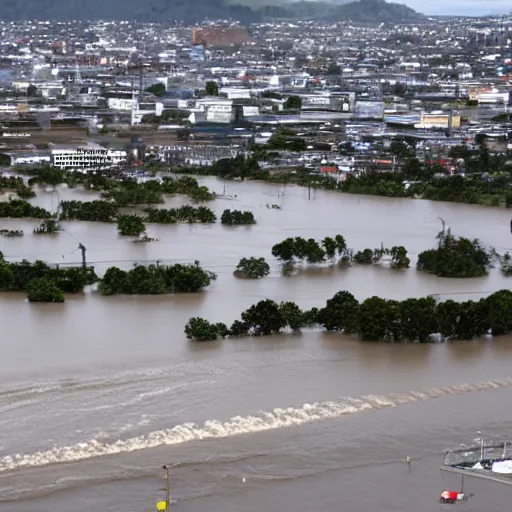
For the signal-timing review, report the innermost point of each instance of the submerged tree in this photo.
(264, 318)
(49, 226)
(399, 257)
(155, 279)
(455, 257)
(292, 315)
(200, 329)
(236, 217)
(130, 225)
(340, 313)
(252, 268)
(506, 264)
(44, 290)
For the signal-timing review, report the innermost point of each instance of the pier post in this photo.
(167, 489)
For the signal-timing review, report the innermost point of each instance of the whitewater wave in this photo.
(238, 425)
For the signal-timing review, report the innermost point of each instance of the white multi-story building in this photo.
(216, 110)
(140, 110)
(126, 104)
(87, 157)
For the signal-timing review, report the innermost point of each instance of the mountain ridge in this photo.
(194, 11)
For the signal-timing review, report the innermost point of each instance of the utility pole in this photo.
(83, 249)
(140, 81)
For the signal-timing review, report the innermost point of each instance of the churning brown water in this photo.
(97, 393)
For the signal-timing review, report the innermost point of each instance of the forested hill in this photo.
(192, 11)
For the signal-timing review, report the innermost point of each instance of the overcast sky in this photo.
(469, 7)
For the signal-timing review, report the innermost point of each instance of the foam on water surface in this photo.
(238, 425)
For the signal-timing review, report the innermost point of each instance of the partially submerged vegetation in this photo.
(44, 290)
(16, 185)
(237, 218)
(93, 211)
(252, 268)
(455, 257)
(130, 225)
(190, 214)
(486, 178)
(334, 250)
(11, 233)
(413, 320)
(21, 209)
(18, 276)
(48, 227)
(155, 280)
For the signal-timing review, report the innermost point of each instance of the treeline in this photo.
(104, 211)
(155, 279)
(432, 182)
(128, 192)
(21, 209)
(96, 211)
(121, 190)
(17, 185)
(42, 282)
(334, 249)
(375, 319)
(453, 256)
(488, 181)
(45, 283)
(185, 213)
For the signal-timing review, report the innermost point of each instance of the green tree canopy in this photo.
(44, 290)
(264, 318)
(157, 89)
(130, 225)
(293, 103)
(252, 268)
(455, 257)
(212, 88)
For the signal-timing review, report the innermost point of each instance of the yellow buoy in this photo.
(161, 506)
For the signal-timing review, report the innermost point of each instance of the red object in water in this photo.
(449, 496)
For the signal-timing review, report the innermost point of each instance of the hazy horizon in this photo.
(460, 7)
(432, 7)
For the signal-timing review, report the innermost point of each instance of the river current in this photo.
(96, 394)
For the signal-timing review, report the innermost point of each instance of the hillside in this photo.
(374, 11)
(192, 11)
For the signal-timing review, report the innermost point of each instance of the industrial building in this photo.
(91, 156)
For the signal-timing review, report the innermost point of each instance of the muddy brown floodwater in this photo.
(96, 394)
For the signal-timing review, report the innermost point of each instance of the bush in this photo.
(130, 225)
(44, 290)
(14, 277)
(236, 217)
(154, 280)
(96, 211)
(18, 208)
(252, 268)
(185, 213)
(200, 329)
(48, 227)
(455, 257)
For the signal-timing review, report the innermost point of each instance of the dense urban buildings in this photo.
(438, 81)
(263, 248)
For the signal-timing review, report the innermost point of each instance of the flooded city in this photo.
(97, 393)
